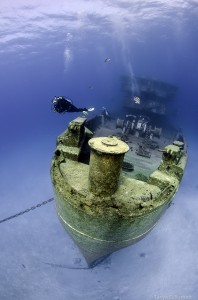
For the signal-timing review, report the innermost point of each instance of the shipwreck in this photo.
(113, 178)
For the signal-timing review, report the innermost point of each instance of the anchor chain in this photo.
(26, 211)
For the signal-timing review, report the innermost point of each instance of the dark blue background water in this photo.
(52, 48)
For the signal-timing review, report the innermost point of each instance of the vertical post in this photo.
(107, 154)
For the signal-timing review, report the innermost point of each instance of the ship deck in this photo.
(143, 166)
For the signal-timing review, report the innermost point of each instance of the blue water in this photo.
(50, 48)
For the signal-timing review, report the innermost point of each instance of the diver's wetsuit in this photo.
(62, 105)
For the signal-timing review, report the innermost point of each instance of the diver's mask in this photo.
(54, 100)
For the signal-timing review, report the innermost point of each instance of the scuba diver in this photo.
(62, 105)
(106, 114)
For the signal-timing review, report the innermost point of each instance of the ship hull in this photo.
(101, 213)
(95, 240)
(100, 235)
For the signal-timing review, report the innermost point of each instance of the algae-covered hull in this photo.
(103, 205)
